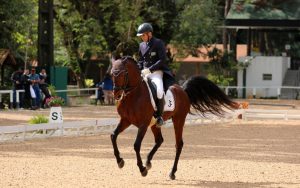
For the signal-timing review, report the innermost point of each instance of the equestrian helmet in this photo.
(143, 28)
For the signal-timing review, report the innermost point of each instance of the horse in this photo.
(134, 107)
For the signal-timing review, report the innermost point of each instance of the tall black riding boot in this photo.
(160, 110)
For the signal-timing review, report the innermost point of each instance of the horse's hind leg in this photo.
(158, 141)
(178, 127)
(121, 127)
(137, 147)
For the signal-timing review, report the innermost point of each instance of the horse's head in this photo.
(125, 75)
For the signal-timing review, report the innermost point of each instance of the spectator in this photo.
(26, 83)
(44, 86)
(108, 89)
(35, 79)
(16, 78)
(100, 94)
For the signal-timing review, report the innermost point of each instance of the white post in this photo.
(254, 92)
(226, 90)
(278, 92)
(17, 99)
(11, 98)
(96, 93)
(57, 117)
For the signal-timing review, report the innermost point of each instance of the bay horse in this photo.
(134, 107)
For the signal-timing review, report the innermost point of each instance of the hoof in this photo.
(145, 172)
(148, 165)
(121, 163)
(172, 176)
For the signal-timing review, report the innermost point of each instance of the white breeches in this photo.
(157, 77)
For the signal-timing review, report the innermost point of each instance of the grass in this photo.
(38, 119)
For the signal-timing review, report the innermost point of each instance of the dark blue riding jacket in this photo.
(153, 56)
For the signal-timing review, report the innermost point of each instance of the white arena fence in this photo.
(44, 130)
(95, 91)
(106, 126)
(257, 114)
(88, 127)
(10, 93)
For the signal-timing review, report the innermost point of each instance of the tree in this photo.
(18, 27)
(222, 65)
(103, 27)
(224, 37)
(162, 14)
(198, 26)
(81, 36)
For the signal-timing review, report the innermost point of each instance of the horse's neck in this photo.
(139, 91)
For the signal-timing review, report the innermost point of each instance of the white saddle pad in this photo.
(169, 100)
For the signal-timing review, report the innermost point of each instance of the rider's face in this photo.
(145, 37)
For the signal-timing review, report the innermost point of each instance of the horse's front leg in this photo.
(121, 127)
(137, 147)
(158, 141)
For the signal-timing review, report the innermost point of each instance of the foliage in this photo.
(220, 79)
(18, 27)
(198, 26)
(244, 64)
(221, 66)
(55, 101)
(163, 15)
(295, 49)
(52, 90)
(128, 48)
(101, 27)
(89, 82)
(175, 67)
(38, 119)
(85, 29)
(221, 60)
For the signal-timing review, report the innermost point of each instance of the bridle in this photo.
(125, 88)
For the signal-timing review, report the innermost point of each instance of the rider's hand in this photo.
(145, 72)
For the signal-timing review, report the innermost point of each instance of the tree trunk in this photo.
(72, 46)
(80, 80)
(226, 10)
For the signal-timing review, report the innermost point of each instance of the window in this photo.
(267, 76)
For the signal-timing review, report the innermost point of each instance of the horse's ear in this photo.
(114, 59)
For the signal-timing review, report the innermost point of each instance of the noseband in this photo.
(125, 86)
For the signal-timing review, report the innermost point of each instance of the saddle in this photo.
(169, 97)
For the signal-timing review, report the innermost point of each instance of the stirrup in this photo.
(159, 121)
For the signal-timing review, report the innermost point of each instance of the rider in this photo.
(152, 63)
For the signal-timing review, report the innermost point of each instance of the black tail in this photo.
(205, 96)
